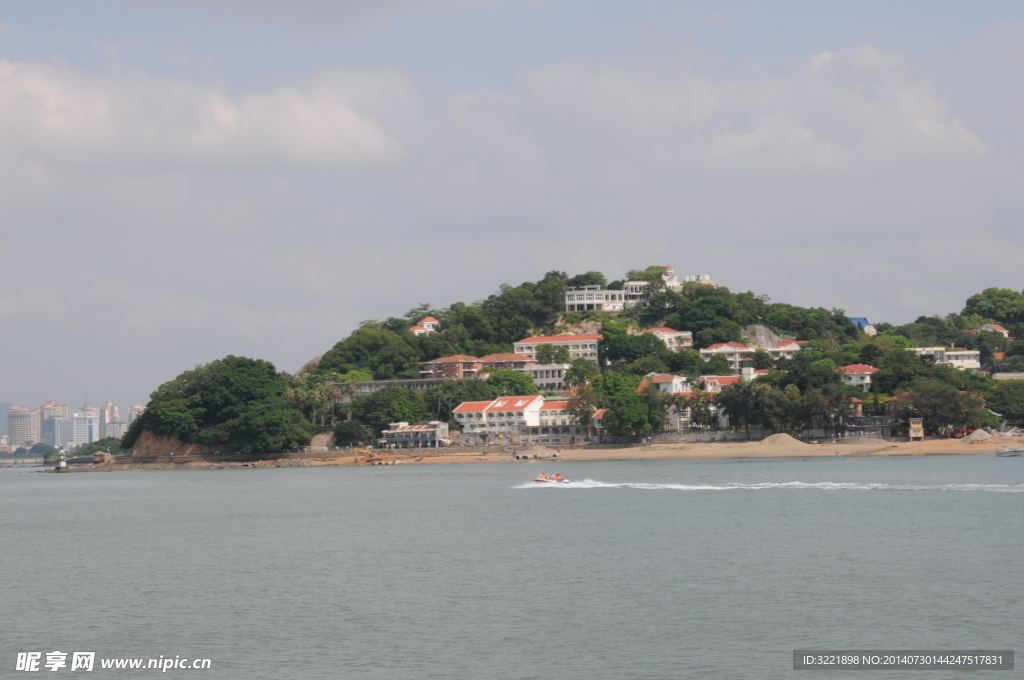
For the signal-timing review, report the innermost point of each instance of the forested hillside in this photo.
(247, 405)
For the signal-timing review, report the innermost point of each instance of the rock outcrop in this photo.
(149, 445)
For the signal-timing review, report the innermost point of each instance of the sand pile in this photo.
(976, 436)
(781, 439)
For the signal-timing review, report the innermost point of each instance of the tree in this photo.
(581, 406)
(941, 406)
(652, 364)
(1007, 398)
(390, 405)
(506, 382)
(588, 279)
(1002, 304)
(718, 365)
(699, 405)
(442, 399)
(386, 354)
(351, 433)
(631, 347)
(550, 354)
(742, 403)
(235, 401)
(581, 372)
(762, 360)
(40, 447)
(628, 414)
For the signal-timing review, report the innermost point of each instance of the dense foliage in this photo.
(247, 405)
(235, 401)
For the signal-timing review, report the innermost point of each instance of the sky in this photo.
(182, 180)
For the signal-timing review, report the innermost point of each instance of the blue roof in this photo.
(859, 321)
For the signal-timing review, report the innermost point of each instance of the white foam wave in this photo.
(826, 486)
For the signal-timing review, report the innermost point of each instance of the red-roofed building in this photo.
(664, 382)
(530, 419)
(425, 326)
(858, 375)
(786, 349)
(735, 352)
(995, 328)
(507, 360)
(453, 368)
(579, 346)
(715, 383)
(675, 340)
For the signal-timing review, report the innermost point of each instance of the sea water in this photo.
(653, 569)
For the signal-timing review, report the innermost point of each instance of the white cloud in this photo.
(58, 118)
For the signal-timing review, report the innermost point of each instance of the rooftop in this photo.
(568, 337)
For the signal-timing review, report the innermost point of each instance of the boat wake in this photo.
(824, 486)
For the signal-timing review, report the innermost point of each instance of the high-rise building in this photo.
(58, 431)
(108, 414)
(86, 425)
(4, 405)
(53, 409)
(23, 425)
(116, 429)
(134, 412)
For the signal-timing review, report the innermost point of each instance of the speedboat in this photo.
(550, 480)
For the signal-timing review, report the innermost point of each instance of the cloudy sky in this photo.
(184, 180)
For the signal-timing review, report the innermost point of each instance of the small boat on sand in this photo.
(1007, 452)
(550, 479)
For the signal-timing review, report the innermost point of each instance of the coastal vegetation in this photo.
(248, 406)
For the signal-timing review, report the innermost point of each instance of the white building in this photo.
(963, 359)
(134, 412)
(86, 425)
(995, 328)
(633, 293)
(52, 409)
(108, 414)
(579, 346)
(666, 382)
(786, 349)
(858, 375)
(505, 415)
(548, 377)
(735, 352)
(430, 435)
(425, 326)
(675, 340)
(23, 426)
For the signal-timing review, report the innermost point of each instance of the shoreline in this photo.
(655, 451)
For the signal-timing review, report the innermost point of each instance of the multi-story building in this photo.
(579, 346)
(665, 382)
(455, 367)
(4, 405)
(715, 383)
(675, 340)
(735, 352)
(858, 375)
(786, 349)
(86, 425)
(632, 293)
(548, 377)
(430, 435)
(507, 360)
(116, 429)
(58, 432)
(53, 409)
(365, 388)
(23, 425)
(134, 412)
(425, 326)
(108, 414)
(964, 359)
(505, 415)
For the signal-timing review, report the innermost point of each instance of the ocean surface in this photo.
(654, 569)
